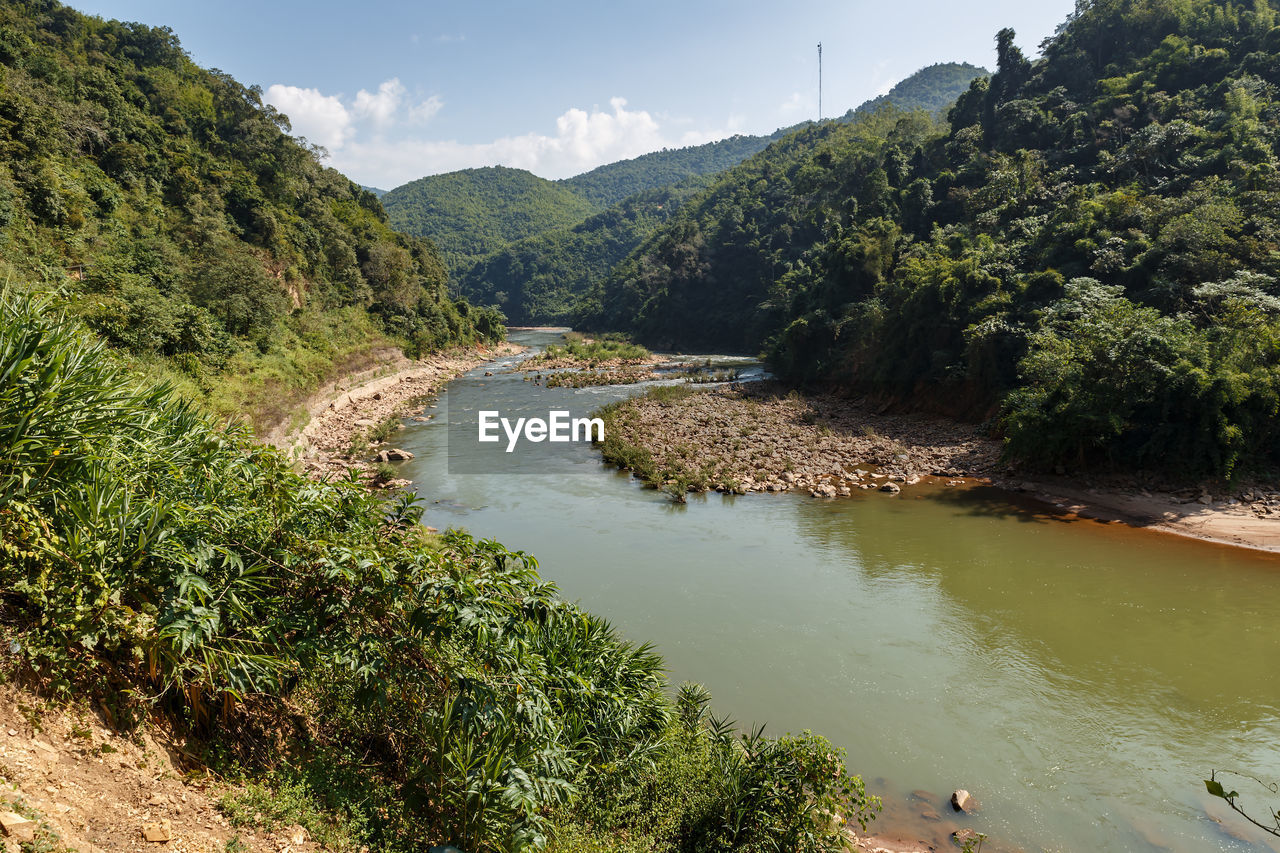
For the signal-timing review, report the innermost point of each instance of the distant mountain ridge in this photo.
(538, 279)
(472, 212)
(609, 184)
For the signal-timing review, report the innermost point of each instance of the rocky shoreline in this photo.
(341, 415)
(757, 437)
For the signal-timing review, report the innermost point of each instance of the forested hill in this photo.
(542, 278)
(185, 223)
(933, 88)
(1088, 248)
(609, 184)
(475, 211)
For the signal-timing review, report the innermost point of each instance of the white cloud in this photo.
(583, 140)
(380, 108)
(425, 111)
(322, 119)
(359, 135)
(793, 105)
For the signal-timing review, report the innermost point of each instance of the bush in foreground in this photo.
(447, 693)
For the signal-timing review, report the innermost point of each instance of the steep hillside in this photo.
(932, 88)
(539, 279)
(475, 211)
(185, 225)
(1088, 247)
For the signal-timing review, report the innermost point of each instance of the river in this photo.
(1079, 678)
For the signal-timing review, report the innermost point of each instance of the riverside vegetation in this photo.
(1084, 251)
(187, 227)
(360, 675)
(435, 687)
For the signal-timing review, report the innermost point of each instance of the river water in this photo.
(1079, 678)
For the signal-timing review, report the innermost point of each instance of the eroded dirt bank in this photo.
(342, 413)
(86, 787)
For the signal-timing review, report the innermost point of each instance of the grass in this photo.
(691, 473)
(286, 797)
(587, 378)
(592, 353)
(264, 389)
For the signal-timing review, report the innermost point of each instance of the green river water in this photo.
(1080, 679)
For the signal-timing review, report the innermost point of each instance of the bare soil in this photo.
(93, 789)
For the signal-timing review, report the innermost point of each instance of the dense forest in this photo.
(542, 278)
(612, 183)
(477, 212)
(1085, 250)
(472, 212)
(185, 225)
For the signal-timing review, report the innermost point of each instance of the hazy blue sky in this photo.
(396, 90)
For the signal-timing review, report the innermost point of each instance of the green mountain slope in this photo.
(1088, 247)
(609, 184)
(186, 225)
(475, 211)
(539, 279)
(933, 88)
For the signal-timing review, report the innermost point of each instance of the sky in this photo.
(395, 90)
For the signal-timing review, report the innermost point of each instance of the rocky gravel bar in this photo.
(756, 437)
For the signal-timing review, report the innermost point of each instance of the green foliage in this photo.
(593, 353)
(450, 694)
(540, 279)
(286, 797)
(933, 88)
(614, 183)
(1104, 374)
(925, 261)
(714, 277)
(710, 789)
(473, 212)
(170, 202)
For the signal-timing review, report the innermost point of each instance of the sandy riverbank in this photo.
(755, 438)
(339, 413)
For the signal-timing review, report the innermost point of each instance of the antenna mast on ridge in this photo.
(819, 81)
